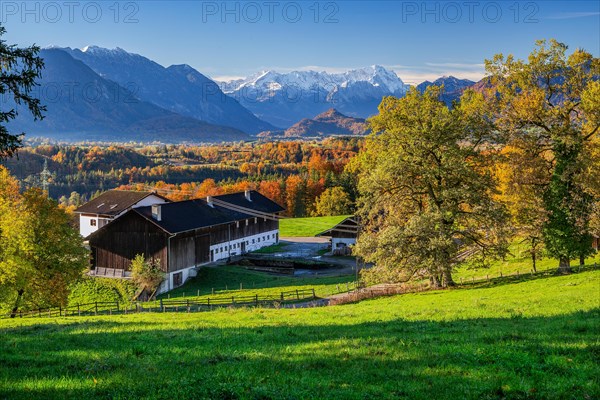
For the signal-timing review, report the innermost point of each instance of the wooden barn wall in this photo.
(189, 249)
(129, 235)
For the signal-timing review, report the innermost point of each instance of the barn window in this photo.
(177, 279)
(92, 222)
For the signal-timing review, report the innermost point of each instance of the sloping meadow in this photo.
(530, 339)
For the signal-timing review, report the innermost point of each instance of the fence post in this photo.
(162, 307)
(188, 305)
(281, 296)
(256, 300)
(314, 296)
(232, 300)
(297, 295)
(208, 301)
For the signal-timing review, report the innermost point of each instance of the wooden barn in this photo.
(186, 234)
(343, 235)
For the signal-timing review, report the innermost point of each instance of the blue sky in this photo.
(418, 40)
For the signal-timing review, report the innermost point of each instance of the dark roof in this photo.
(114, 202)
(187, 215)
(258, 203)
(348, 225)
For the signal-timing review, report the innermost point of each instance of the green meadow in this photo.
(529, 339)
(303, 227)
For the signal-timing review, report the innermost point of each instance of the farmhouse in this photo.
(98, 212)
(186, 234)
(342, 235)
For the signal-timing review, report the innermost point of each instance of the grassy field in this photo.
(237, 281)
(302, 227)
(536, 339)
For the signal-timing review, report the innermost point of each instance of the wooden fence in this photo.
(173, 305)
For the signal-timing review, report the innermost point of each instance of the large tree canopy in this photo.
(19, 69)
(40, 253)
(426, 191)
(549, 107)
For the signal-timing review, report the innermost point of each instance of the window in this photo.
(177, 279)
(92, 222)
(258, 240)
(252, 241)
(216, 251)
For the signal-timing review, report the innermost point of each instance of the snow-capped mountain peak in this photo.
(285, 98)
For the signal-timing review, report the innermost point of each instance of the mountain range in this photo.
(178, 88)
(111, 94)
(83, 105)
(284, 99)
(329, 123)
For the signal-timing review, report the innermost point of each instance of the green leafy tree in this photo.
(19, 69)
(553, 101)
(146, 273)
(333, 201)
(40, 253)
(425, 190)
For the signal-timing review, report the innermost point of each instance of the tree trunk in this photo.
(582, 260)
(13, 313)
(564, 265)
(435, 282)
(448, 281)
(533, 259)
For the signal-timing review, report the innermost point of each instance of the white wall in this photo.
(85, 226)
(220, 251)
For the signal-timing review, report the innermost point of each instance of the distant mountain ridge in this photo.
(283, 99)
(453, 87)
(178, 88)
(331, 122)
(82, 105)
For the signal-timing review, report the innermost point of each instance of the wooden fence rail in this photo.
(175, 305)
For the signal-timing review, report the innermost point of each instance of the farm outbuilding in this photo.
(343, 235)
(186, 234)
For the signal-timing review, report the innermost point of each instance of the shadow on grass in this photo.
(485, 358)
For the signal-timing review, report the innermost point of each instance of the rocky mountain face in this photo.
(178, 88)
(283, 99)
(329, 123)
(82, 105)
